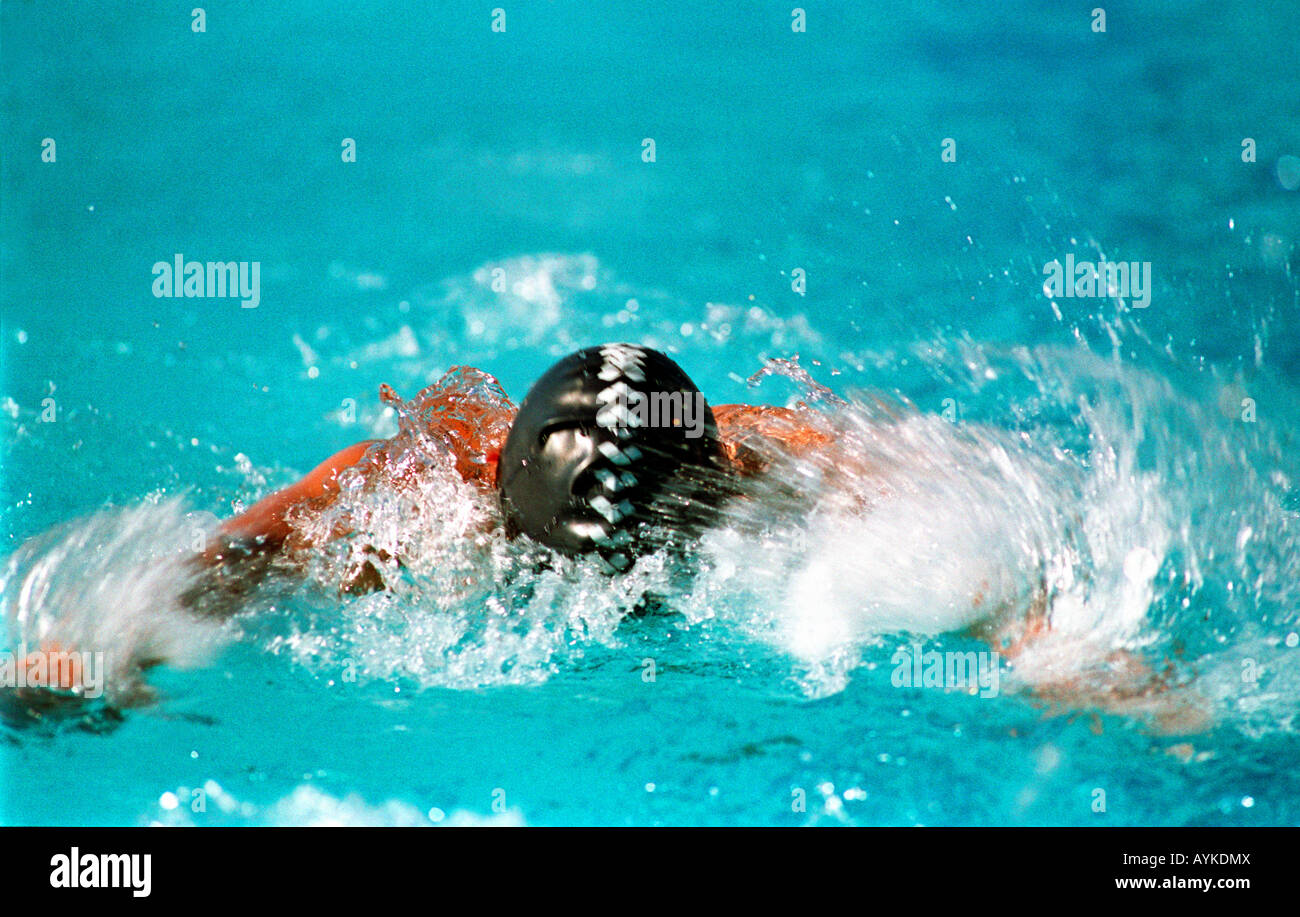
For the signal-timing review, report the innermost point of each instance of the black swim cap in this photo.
(613, 451)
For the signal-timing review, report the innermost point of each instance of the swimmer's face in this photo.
(609, 451)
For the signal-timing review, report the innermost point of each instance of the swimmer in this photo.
(614, 453)
(587, 466)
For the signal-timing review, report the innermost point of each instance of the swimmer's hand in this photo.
(1121, 683)
(51, 666)
(1127, 686)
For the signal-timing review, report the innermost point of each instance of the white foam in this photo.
(309, 806)
(113, 583)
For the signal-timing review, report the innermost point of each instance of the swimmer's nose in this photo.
(611, 453)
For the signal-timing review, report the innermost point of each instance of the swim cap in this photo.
(613, 451)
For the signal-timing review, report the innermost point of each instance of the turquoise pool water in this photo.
(1139, 465)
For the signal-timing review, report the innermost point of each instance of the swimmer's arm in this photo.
(265, 523)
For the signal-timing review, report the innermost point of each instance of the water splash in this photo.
(1106, 531)
(310, 806)
(114, 583)
(1099, 523)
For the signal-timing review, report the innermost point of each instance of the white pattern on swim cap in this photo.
(593, 530)
(614, 482)
(617, 413)
(621, 360)
(600, 503)
(619, 456)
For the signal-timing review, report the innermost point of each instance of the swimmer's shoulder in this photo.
(796, 430)
(751, 433)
